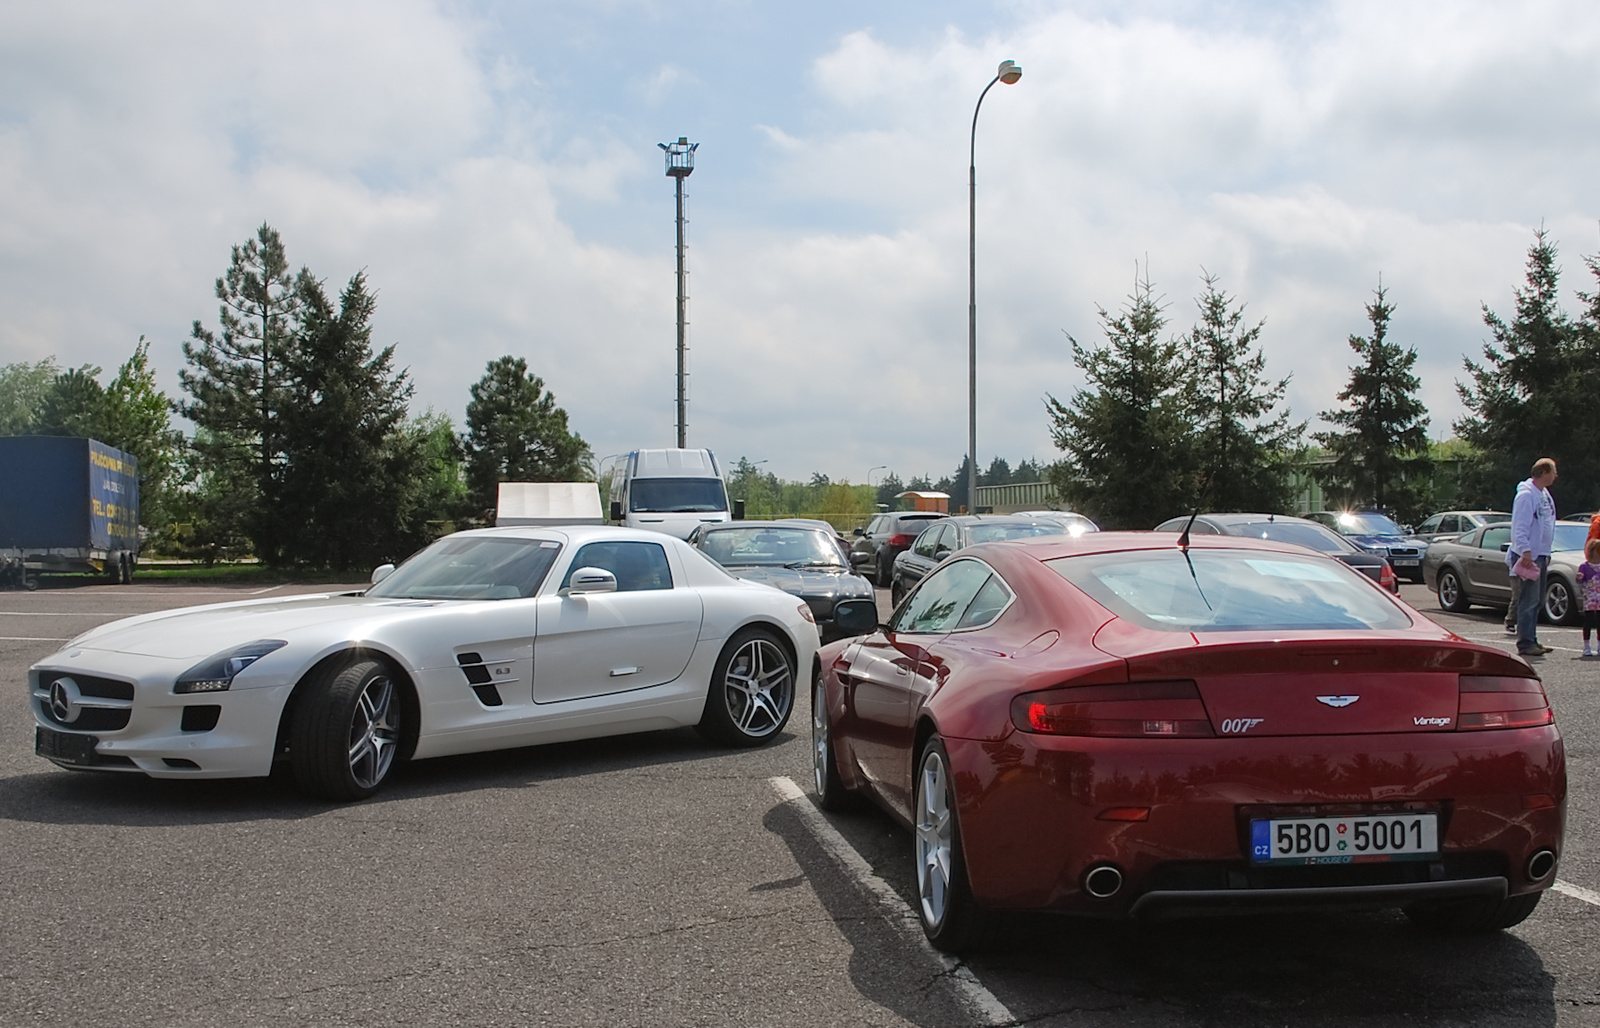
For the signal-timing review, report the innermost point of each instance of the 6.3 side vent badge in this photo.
(1337, 701)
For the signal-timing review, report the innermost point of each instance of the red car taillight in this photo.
(1502, 703)
(1386, 578)
(1139, 709)
(902, 541)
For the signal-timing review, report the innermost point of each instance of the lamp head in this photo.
(1010, 72)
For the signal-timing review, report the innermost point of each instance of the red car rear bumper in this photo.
(1033, 814)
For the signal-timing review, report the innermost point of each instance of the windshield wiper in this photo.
(813, 564)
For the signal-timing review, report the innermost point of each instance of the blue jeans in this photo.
(1528, 603)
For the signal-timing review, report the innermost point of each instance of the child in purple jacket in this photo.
(1589, 583)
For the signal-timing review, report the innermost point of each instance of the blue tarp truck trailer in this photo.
(68, 504)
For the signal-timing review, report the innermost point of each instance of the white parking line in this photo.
(979, 1000)
(31, 639)
(1576, 892)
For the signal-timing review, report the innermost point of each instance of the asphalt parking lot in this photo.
(656, 880)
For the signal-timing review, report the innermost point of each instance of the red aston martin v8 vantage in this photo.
(1130, 725)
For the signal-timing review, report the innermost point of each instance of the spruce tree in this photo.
(1380, 448)
(1244, 443)
(1526, 399)
(516, 433)
(348, 471)
(1127, 439)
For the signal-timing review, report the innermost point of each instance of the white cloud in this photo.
(1296, 157)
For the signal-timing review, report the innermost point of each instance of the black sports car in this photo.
(800, 559)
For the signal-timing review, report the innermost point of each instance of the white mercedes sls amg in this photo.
(485, 640)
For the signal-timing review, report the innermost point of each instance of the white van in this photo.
(672, 491)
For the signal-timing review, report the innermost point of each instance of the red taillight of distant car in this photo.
(1386, 578)
(902, 541)
(1139, 709)
(1502, 703)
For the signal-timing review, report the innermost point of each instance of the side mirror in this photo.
(857, 558)
(738, 510)
(856, 617)
(616, 510)
(381, 572)
(859, 533)
(590, 580)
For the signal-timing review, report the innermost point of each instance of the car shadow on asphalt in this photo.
(1314, 968)
(129, 799)
(882, 966)
(1322, 968)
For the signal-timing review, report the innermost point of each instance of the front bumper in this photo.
(229, 734)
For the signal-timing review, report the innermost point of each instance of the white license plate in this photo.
(1344, 840)
(1405, 562)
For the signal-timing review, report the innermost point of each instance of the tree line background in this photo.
(304, 452)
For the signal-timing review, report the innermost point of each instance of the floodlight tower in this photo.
(680, 165)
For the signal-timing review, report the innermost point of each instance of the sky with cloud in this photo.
(493, 168)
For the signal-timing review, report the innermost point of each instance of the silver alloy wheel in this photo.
(374, 732)
(819, 737)
(935, 838)
(1557, 601)
(1449, 590)
(758, 688)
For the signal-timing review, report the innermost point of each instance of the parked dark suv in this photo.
(884, 538)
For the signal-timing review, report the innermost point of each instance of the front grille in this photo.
(1403, 551)
(89, 685)
(102, 705)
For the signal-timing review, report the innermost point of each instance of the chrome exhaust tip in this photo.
(1541, 865)
(1102, 882)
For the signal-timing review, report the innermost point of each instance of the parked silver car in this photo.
(1472, 569)
(1454, 523)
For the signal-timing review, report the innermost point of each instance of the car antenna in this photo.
(1183, 540)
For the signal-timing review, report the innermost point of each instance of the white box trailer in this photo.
(549, 503)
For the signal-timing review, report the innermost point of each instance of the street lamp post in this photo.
(680, 165)
(1009, 73)
(880, 467)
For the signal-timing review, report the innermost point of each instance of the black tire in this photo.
(1452, 596)
(831, 793)
(347, 729)
(950, 917)
(884, 573)
(896, 594)
(752, 690)
(30, 582)
(1560, 606)
(1468, 916)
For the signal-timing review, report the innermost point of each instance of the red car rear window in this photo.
(1231, 590)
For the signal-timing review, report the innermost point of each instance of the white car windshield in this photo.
(1230, 591)
(472, 568)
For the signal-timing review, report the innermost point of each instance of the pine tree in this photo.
(238, 380)
(1381, 457)
(1127, 438)
(516, 433)
(1244, 443)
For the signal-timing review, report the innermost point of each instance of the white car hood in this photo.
(198, 632)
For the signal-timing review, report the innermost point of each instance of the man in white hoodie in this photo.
(1533, 531)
